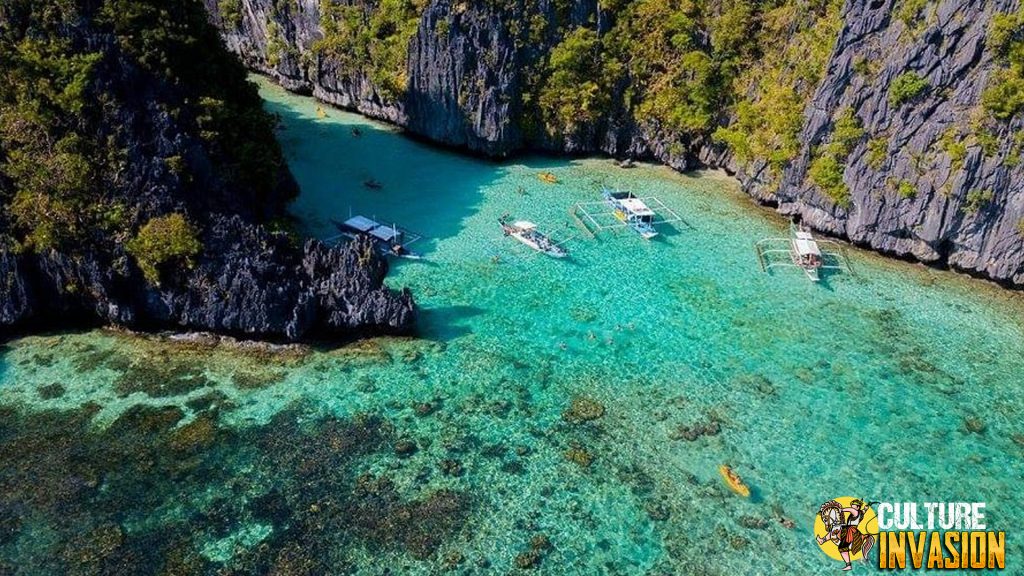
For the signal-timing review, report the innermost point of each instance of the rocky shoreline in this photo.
(251, 283)
(466, 87)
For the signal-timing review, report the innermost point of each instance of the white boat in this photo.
(806, 254)
(632, 211)
(389, 240)
(804, 251)
(527, 233)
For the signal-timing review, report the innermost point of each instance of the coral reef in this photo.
(90, 485)
(583, 409)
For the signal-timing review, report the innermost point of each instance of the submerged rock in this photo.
(161, 377)
(80, 482)
(96, 545)
(540, 542)
(424, 408)
(579, 455)
(529, 559)
(453, 559)
(451, 467)
(691, 433)
(754, 522)
(419, 526)
(196, 435)
(657, 511)
(405, 448)
(975, 425)
(51, 391)
(583, 409)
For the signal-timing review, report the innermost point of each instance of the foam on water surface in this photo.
(897, 383)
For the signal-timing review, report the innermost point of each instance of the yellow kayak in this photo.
(320, 112)
(548, 177)
(733, 481)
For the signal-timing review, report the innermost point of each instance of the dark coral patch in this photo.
(161, 378)
(184, 483)
(419, 526)
(51, 391)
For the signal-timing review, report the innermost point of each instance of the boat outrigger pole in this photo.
(802, 250)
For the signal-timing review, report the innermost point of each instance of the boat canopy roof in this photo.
(805, 244)
(385, 233)
(361, 223)
(636, 207)
(524, 225)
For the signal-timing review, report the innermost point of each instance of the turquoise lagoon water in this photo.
(898, 383)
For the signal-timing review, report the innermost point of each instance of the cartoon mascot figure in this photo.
(841, 528)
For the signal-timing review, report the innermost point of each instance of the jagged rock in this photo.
(15, 303)
(932, 226)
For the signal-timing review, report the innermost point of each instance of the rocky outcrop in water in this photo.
(914, 191)
(251, 282)
(136, 143)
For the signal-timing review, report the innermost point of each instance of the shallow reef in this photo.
(145, 495)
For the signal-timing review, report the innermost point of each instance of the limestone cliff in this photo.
(140, 186)
(926, 175)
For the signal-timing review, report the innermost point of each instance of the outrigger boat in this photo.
(632, 211)
(623, 209)
(527, 233)
(388, 240)
(804, 251)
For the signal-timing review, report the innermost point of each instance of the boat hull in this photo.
(554, 253)
(532, 238)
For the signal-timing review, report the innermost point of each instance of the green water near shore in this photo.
(897, 383)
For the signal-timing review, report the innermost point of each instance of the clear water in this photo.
(897, 383)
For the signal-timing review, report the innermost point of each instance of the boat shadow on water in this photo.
(447, 323)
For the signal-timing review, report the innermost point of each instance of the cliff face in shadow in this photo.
(889, 122)
(142, 186)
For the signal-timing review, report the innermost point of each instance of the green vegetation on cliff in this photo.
(681, 67)
(73, 164)
(574, 93)
(164, 240)
(1004, 96)
(792, 42)
(827, 168)
(372, 42)
(906, 87)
